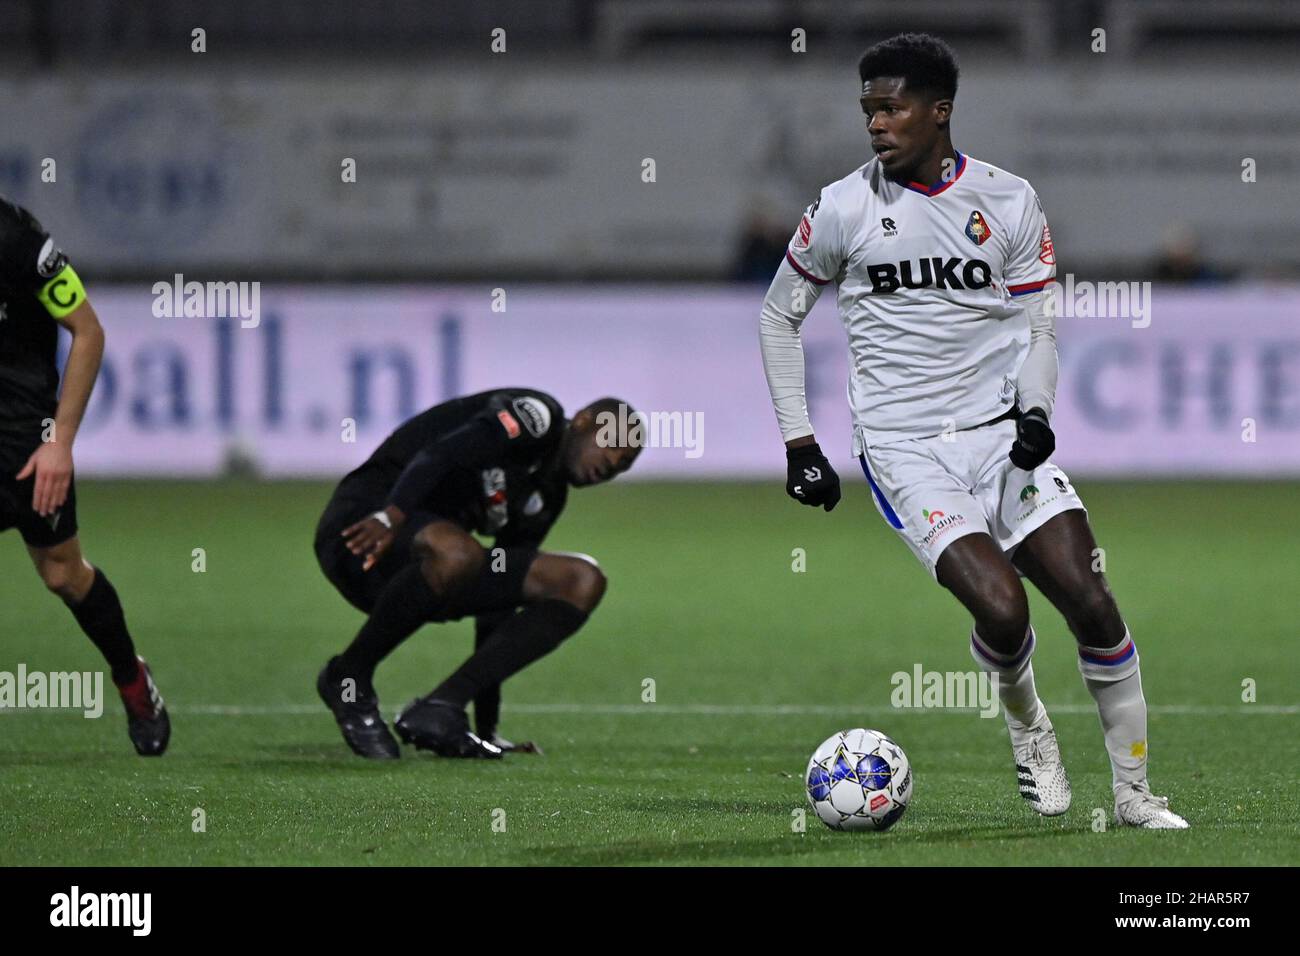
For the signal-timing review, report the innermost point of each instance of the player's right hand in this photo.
(810, 479)
(51, 463)
(1035, 440)
(370, 538)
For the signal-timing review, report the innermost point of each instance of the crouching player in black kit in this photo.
(37, 427)
(395, 540)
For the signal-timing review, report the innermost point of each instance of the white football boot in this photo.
(1039, 771)
(1136, 806)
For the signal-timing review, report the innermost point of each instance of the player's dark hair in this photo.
(925, 62)
(612, 406)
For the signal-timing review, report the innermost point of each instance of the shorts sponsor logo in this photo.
(508, 422)
(534, 414)
(1030, 493)
(940, 524)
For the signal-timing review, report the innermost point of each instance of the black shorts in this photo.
(362, 588)
(16, 512)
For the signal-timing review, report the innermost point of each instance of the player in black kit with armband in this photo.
(38, 423)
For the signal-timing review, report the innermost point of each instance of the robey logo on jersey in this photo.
(937, 271)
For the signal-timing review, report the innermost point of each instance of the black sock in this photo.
(487, 702)
(100, 616)
(531, 634)
(405, 603)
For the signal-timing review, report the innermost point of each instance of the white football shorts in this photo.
(933, 491)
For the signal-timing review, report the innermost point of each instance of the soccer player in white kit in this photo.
(941, 263)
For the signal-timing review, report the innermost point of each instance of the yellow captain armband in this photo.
(62, 294)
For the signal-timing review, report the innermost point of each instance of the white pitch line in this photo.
(743, 710)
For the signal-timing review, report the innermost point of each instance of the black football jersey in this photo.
(30, 267)
(490, 462)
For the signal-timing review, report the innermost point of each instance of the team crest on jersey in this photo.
(495, 506)
(977, 230)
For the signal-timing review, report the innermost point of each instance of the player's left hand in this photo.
(370, 537)
(810, 479)
(52, 465)
(1035, 440)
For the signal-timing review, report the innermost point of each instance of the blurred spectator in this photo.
(763, 242)
(1181, 259)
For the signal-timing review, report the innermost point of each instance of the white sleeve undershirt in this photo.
(1036, 381)
(789, 299)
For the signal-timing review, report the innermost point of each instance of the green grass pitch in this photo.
(753, 666)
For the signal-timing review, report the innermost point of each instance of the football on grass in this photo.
(859, 780)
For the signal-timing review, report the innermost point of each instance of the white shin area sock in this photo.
(1020, 704)
(1114, 680)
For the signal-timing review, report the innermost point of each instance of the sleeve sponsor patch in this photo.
(50, 260)
(508, 423)
(534, 415)
(1046, 251)
(804, 235)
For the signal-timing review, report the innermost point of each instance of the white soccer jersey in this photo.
(928, 283)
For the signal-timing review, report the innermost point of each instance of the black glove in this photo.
(810, 479)
(1034, 442)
